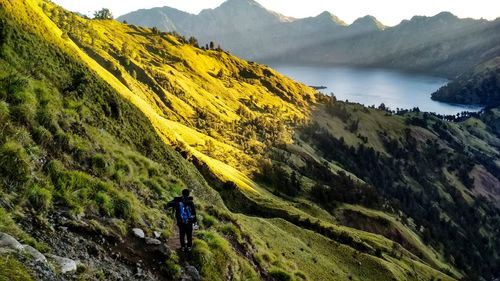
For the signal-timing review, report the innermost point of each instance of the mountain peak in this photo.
(242, 3)
(368, 22)
(246, 9)
(327, 16)
(443, 16)
(446, 15)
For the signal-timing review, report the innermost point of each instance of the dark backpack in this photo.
(185, 212)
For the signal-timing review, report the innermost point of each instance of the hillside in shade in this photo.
(102, 123)
(478, 86)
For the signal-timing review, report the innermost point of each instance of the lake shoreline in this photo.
(373, 86)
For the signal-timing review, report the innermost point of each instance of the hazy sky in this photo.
(389, 12)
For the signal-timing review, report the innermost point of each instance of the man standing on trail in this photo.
(185, 214)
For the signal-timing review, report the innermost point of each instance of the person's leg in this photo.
(182, 233)
(189, 234)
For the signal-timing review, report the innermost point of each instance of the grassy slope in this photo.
(178, 85)
(77, 152)
(324, 259)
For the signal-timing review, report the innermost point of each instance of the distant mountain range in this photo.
(443, 44)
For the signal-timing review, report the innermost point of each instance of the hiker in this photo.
(185, 214)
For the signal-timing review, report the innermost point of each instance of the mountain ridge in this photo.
(365, 42)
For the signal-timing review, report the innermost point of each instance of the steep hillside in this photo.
(479, 86)
(103, 123)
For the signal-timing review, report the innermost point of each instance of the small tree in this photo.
(193, 41)
(103, 14)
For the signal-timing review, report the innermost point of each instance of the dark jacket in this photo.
(175, 203)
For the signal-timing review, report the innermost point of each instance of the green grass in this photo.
(13, 270)
(292, 248)
(216, 259)
(386, 225)
(84, 134)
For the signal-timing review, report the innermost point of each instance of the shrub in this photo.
(63, 140)
(172, 269)
(104, 203)
(42, 136)
(4, 112)
(47, 117)
(154, 185)
(280, 275)
(122, 164)
(23, 137)
(40, 198)
(264, 258)
(24, 102)
(15, 85)
(14, 162)
(72, 180)
(54, 168)
(215, 241)
(123, 208)
(202, 257)
(100, 164)
(23, 113)
(301, 276)
(231, 230)
(208, 220)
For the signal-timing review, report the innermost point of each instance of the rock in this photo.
(138, 233)
(139, 272)
(64, 264)
(165, 250)
(191, 274)
(156, 234)
(7, 241)
(152, 241)
(34, 253)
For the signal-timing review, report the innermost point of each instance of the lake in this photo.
(375, 86)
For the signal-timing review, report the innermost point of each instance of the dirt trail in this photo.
(173, 242)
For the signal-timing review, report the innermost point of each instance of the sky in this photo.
(389, 12)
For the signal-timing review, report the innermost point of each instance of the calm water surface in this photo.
(375, 86)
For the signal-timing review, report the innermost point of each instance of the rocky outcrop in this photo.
(64, 265)
(139, 233)
(191, 274)
(34, 254)
(9, 243)
(35, 259)
(152, 241)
